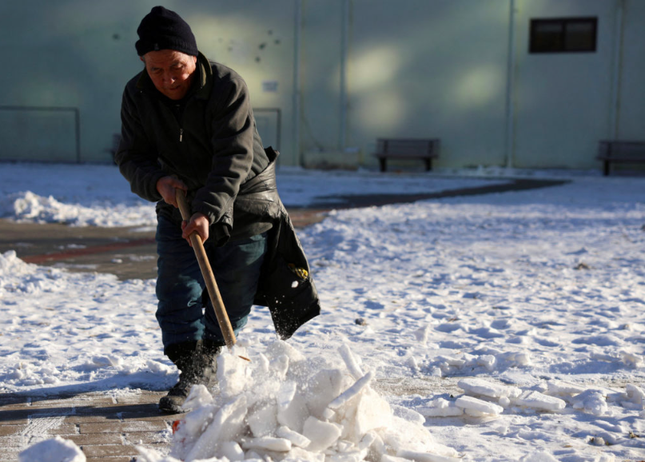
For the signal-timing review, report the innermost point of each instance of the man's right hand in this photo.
(166, 186)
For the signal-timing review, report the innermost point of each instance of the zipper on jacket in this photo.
(181, 134)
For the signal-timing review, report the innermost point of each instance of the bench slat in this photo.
(402, 148)
(620, 151)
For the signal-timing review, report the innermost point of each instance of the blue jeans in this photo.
(185, 312)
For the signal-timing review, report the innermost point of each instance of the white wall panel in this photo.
(563, 100)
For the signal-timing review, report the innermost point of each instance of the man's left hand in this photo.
(198, 223)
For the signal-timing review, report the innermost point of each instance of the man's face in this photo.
(171, 71)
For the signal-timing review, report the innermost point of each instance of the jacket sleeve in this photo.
(232, 131)
(136, 156)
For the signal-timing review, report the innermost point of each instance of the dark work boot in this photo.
(196, 366)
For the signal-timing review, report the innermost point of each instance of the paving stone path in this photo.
(106, 426)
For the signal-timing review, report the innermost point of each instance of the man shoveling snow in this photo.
(187, 124)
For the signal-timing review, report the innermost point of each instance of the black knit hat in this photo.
(162, 29)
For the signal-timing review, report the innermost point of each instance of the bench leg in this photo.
(383, 164)
(428, 164)
(606, 168)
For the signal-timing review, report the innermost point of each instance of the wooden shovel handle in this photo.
(207, 273)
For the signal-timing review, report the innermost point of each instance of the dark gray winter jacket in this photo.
(208, 140)
(211, 143)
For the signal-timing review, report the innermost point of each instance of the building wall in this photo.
(256, 39)
(78, 55)
(563, 101)
(328, 78)
(438, 70)
(64, 54)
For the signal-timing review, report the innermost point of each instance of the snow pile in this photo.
(54, 450)
(87, 331)
(98, 195)
(484, 398)
(11, 265)
(287, 407)
(27, 206)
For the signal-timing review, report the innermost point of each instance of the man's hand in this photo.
(166, 186)
(198, 223)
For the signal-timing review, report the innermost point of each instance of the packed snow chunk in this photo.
(280, 366)
(539, 457)
(150, 455)
(268, 443)
(388, 458)
(539, 401)
(11, 264)
(351, 361)
(488, 361)
(158, 367)
(292, 411)
(424, 457)
(560, 388)
(199, 396)
(302, 455)
(54, 450)
(475, 386)
(322, 389)
(280, 348)
(406, 436)
(296, 438)
(447, 362)
(477, 407)
(368, 440)
(352, 391)
(231, 374)
(197, 420)
(635, 395)
(591, 402)
(347, 456)
(232, 451)
(262, 418)
(321, 434)
(441, 408)
(372, 412)
(518, 359)
(409, 415)
(226, 426)
(632, 360)
(107, 361)
(328, 415)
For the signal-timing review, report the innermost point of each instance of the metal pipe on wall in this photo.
(345, 19)
(510, 88)
(617, 70)
(296, 82)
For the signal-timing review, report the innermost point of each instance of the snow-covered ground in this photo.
(514, 323)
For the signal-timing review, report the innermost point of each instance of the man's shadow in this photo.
(102, 398)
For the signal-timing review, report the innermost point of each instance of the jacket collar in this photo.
(205, 76)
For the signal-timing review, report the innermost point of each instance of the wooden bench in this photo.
(426, 149)
(626, 152)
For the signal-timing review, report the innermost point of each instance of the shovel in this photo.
(209, 277)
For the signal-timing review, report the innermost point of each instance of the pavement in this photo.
(127, 252)
(108, 425)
